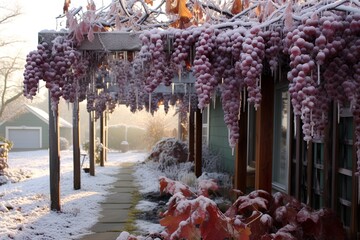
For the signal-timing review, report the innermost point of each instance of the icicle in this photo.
(311, 123)
(189, 101)
(244, 100)
(232, 151)
(185, 89)
(172, 88)
(214, 101)
(318, 72)
(179, 75)
(222, 80)
(229, 136)
(260, 81)
(338, 112)
(239, 108)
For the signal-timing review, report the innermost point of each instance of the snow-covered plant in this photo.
(98, 149)
(4, 153)
(64, 143)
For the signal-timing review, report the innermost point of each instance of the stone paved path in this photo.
(115, 208)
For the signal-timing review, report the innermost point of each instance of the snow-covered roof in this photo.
(45, 116)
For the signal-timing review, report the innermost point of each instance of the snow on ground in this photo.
(24, 206)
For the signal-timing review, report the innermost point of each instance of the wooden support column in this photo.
(102, 139)
(241, 153)
(354, 224)
(335, 158)
(191, 136)
(298, 168)
(198, 142)
(92, 142)
(106, 133)
(76, 146)
(309, 170)
(264, 136)
(54, 157)
(327, 162)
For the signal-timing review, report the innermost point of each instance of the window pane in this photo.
(280, 161)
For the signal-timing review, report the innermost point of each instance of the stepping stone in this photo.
(102, 236)
(107, 227)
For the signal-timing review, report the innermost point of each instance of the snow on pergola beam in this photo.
(103, 41)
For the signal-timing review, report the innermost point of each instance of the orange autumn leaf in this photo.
(150, 2)
(184, 12)
(172, 6)
(236, 7)
(245, 234)
(66, 6)
(258, 10)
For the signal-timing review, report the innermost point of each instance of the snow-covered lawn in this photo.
(24, 206)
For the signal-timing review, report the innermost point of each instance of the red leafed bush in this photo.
(200, 218)
(256, 216)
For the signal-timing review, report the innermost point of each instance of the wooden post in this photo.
(106, 133)
(264, 136)
(54, 157)
(76, 146)
(354, 224)
(298, 168)
(92, 142)
(241, 153)
(102, 139)
(191, 135)
(309, 170)
(327, 162)
(335, 157)
(198, 142)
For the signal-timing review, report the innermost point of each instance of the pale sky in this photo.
(37, 15)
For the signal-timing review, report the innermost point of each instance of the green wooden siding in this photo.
(28, 119)
(218, 136)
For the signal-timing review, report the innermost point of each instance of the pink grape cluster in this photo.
(223, 53)
(156, 62)
(102, 100)
(183, 41)
(252, 55)
(203, 68)
(34, 69)
(59, 66)
(231, 103)
(273, 47)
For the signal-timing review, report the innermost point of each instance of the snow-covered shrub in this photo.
(3, 153)
(211, 160)
(64, 144)
(168, 152)
(98, 148)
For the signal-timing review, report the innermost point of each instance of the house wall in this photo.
(28, 120)
(218, 136)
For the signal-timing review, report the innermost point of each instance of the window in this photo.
(205, 126)
(281, 139)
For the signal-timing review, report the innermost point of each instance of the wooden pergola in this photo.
(112, 42)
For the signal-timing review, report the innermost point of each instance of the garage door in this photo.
(25, 138)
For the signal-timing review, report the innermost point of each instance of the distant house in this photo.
(30, 129)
